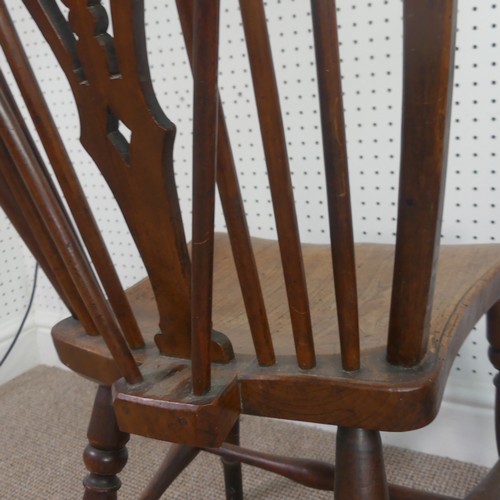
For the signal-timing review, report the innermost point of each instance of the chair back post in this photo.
(26, 217)
(428, 55)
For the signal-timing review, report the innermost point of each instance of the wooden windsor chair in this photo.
(163, 371)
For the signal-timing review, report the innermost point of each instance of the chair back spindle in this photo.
(205, 110)
(273, 138)
(234, 213)
(66, 244)
(337, 179)
(12, 209)
(66, 175)
(23, 214)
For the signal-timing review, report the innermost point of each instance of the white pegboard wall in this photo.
(16, 275)
(472, 210)
(371, 47)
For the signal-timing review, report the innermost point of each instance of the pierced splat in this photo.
(110, 80)
(90, 23)
(119, 135)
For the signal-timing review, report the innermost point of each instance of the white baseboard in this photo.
(461, 432)
(48, 353)
(34, 346)
(24, 355)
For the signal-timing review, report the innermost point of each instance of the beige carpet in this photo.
(43, 419)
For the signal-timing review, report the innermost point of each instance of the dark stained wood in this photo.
(14, 212)
(233, 480)
(68, 180)
(311, 473)
(106, 454)
(179, 456)
(273, 139)
(489, 487)
(330, 397)
(110, 79)
(164, 405)
(359, 462)
(404, 399)
(234, 214)
(140, 174)
(205, 110)
(493, 334)
(337, 178)
(64, 239)
(428, 74)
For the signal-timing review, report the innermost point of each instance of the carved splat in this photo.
(110, 80)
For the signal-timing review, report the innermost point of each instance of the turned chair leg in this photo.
(359, 466)
(232, 469)
(106, 455)
(493, 333)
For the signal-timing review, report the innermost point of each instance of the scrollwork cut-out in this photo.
(110, 80)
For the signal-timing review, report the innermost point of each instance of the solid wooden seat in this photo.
(230, 324)
(461, 298)
(478, 265)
